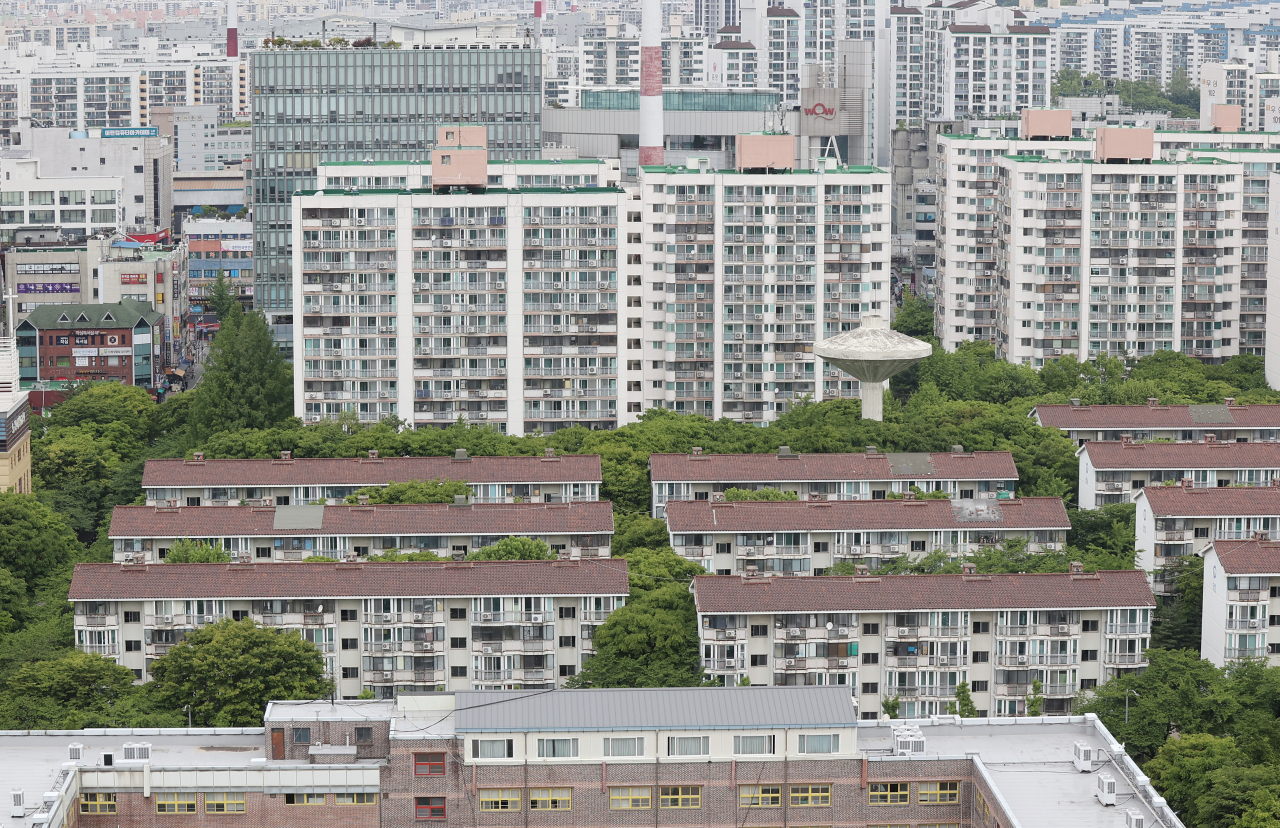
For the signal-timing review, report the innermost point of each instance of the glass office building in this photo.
(316, 105)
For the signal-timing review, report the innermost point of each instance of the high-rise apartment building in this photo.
(698, 290)
(323, 105)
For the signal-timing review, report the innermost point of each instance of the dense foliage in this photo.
(1181, 98)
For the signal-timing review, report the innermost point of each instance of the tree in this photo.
(389, 556)
(964, 702)
(1035, 699)
(636, 530)
(224, 303)
(413, 491)
(1177, 618)
(514, 549)
(1265, 812)
(34, 539)
(246, 383)
(889, 705)
(191, 551)
(1231, 793)
(650, 642)
(915, 317)
(227, 672)
(56, 693)
(1180, 769)
(766, 493)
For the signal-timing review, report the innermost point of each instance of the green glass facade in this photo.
(316, 105)
(685, 100)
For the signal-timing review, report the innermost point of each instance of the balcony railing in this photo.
(1124, 658)
(1246, 652)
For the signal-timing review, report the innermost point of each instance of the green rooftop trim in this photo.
(18, 248)
(421, 163)
(576, 190)
(1154, 162)
(969, 136)
(373, 163)
(126, 314)
(672, 169)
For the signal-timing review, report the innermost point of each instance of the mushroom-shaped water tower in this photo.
(872, 354)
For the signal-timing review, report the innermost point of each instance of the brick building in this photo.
(69, 343)
(552, 478)
(391, 628)
(713, 758)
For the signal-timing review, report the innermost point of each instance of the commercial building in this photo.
(121, 342)
(42, 208)
(15, 423)
(392, 628)
(917, 637)
(205, 140)
(871, 475)
(552, 478)
(1174, 522)
(144, 534)
(1226, 423)
(315, 106)
(1236, 614)
(217, 247)
(807, 538)
(1113, 472)
(621, 307)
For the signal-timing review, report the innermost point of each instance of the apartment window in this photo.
(133, 646)
(688, 745)
(557, 748)
(979, 686)
(759, 661)
(826, 743)
(499, 799)
(98, 803)
(304, 799)
(567, 670)
(871, 687)
(458, 643)
(1088, 684)
(350, 615)
(175, 803)
(1088, 655)
(1089, 626)
(870, 629)
(302, 735)
(810, 796)
(870, 658)
(981, 656)
(364, 735)
(938, 793)
(551, 799)
(351, 672)
(759, 796)
(133, 618)
(429, 764)
(458, 672)
(981, 627)
(621, 799)
(624, 747)
(889, 793)
(568, 641)
(492, 749)
(759, 630)
(753, 745)
(355, 799)
(568, 612)
(428, 807)
(676, 796)
(917, 546)
(458, 613)
(1202, 531)
(224, 803)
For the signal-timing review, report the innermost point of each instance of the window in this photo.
(552, 799)
(1089, 626)
(1088, 655)
(304, 799)
(428, 807)
(981, 627)
(753, 745)
(175, 803)
(224, 803)
(350, 615)
(759, 661)
(429, 764)
(458, 643)
(557, 749)
(568, 612)
(688, 745)
(568, 641)
(458, 672)
(677, 796)
(870, 629)
(133, 646)
(820, 744)
(624, 747)
(492, 749)
(938, 793)
(625, 798)
(981, 656)
(808, 796)
(759, 796)
(759, 630)
(351, 672)
(871, 687)
(870, 658)
(355, 799)
(101, 803)
(1088, 684)
(458, 613)
(889, 793)
(302, 735)
(364, 735)
(499, 799)
(979, 686)
(133, 617)
(1202, 531)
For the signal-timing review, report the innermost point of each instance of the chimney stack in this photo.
(652, 132)
(233, 30)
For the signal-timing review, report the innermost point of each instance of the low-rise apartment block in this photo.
(1226, 422)
(1241, 588)
(916, 637)
(871, 475)
(391, 628)
(1113, 472)
(268, 534)
(1180, 520)
(669, 758)
(288, 481)
(808, 537)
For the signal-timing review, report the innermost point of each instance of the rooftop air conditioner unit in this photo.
(737, 375)
(591, 370)
(384, 394)
(75, 751)
(326, 267)
(892, 548)
(1083, 758)
(795, 633)
(843, 631)
(730, 633)
(447, 243)
(759, 317)
(19, 808)
(557, 306)
(1134, 819)
(533, 220)
(737, 237)
(471, 221)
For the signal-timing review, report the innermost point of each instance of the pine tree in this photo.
(964, 702)
(246, 383)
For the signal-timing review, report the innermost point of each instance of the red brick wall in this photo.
(261, 811)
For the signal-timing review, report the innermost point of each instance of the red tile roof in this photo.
(764, 468)
(866, 515)
(362, 471)
(781, 11)
(1122, 417)
(1248, 557)
(904, 593)
(1176, 501)
(1182, 456)
(115, 582)
(404, 519)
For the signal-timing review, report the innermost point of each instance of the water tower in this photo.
(871, 354)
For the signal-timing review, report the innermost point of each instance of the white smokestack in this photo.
(651, 128)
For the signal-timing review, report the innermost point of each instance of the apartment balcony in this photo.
(1246, 623)
(100, 649)
(1245, 652)
(905, 691)
(793, 633)
(1129, 658)
(1129, 629)
(892, 633)
(97, 620)
(1068, 689)
(723, 663)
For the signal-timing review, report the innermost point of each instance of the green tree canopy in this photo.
(413, 491)
(186, 550)
(514, 549)
(227, 672)
(766, 493)
(60, 692)
(224, 303)
(915, 317)
(246, 383)
(34, 539)
(650, 642)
